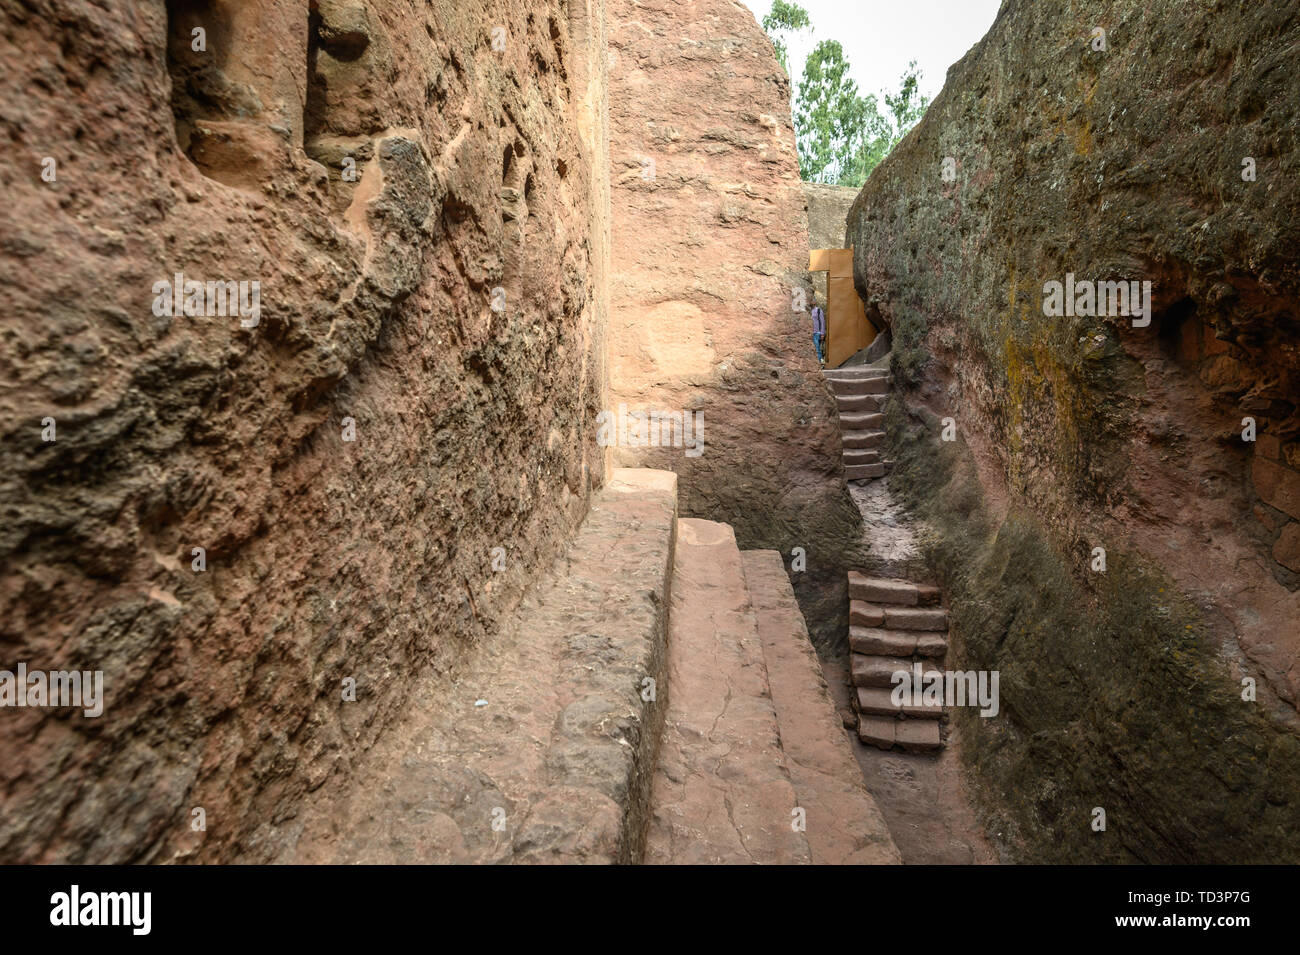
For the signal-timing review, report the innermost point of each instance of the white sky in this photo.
(880, 37)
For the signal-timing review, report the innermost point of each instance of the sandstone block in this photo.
(916, 618)
(877, 590)
(889, 643)
(878, 701)
(877, 730)
(863, 614)
(1277, 485)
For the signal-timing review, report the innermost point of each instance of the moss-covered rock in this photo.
(1112, 693)
(1110, 141)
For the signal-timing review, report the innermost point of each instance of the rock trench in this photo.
(366, 583)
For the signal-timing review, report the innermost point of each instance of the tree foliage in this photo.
(842, 135)
(781, 21)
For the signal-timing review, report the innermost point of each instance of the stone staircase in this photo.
(895, 626)
(654, 698)
(860, 394)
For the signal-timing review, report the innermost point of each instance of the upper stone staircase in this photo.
(860, 393)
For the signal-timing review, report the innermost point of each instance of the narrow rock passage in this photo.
(921, 795)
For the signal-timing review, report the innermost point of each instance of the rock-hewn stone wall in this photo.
(1120, 689)
(441, 307)
(828, 208)
(710, 242)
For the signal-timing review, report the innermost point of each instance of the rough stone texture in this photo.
(1286, 550)
(844, 827)
(925, 797)
(1120, 689)
(546, 732)
(828, 210)
(710, 246)
(722, 791)
(325, 559)
(889, 541)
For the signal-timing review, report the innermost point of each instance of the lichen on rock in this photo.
(1122, 689)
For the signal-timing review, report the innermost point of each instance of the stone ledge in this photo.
(543, 732)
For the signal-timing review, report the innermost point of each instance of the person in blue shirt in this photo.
(819, 331)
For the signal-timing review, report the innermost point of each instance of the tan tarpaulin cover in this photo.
(847, 328)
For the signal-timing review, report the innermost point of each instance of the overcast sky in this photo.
(880, 36)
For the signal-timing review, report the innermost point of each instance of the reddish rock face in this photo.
(710, 290)
(1286, 550)
(1076, 430)
(416, 385)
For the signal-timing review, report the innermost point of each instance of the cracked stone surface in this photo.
(722, 791)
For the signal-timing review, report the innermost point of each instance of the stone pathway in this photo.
(845, 826)
(722, 791)
(915, 779)
(753, 765)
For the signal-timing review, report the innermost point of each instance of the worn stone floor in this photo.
(921, 796)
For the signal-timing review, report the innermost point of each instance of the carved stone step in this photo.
(854, 456)
(885, 732)
(859, 386)
(882, 590)
(916, 618)
(868, 404)
(863, 439)
(879, 671)
(896, 643)
(861, 472)
(878, 701)
(862, 422)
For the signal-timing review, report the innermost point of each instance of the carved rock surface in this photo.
(1121, 689)
(709, 266)
(327, 559)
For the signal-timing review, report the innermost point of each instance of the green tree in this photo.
(834, 125)
(841, 134)
(781, 21)
(908, 106)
